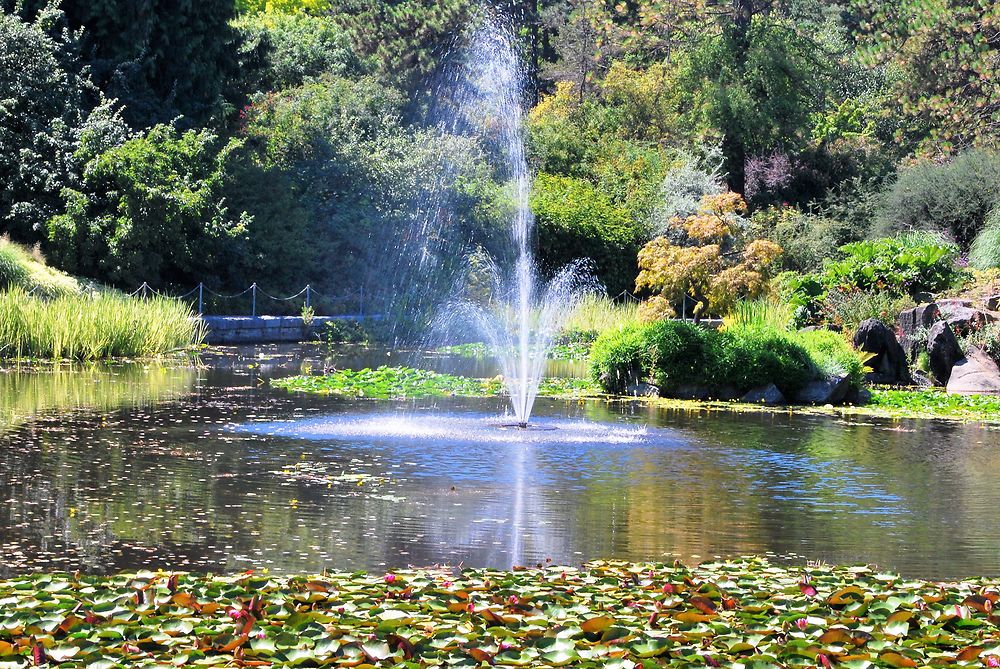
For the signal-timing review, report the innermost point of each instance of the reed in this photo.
(598, 313)
(93, 326)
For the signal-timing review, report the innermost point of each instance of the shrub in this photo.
(908, 264)
(807, 238)
(754, 356)
(685, 186)
(849, 309)
(953, 197)
(833, 355)
(804, 293)
(621, 357)
(576, 221)
(985, 251)
(26, 269)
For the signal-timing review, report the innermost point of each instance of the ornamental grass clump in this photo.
(91, 327)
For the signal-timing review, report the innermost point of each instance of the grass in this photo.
(93, 326)
(408, 383)
(597, 313)
(25, 268)
(618, 615)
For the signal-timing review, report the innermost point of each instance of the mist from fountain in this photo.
(523, 312)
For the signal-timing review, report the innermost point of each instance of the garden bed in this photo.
(745, 613)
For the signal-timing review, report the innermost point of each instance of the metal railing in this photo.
(307, 295)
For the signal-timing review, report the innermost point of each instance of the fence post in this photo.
(307, 295)
(201, 298)
(144, 287)
(253, 292)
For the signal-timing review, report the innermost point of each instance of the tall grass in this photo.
(598, 313)
(91, 327)
(760, 314)
(25, 268)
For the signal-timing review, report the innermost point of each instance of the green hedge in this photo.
(676, 354)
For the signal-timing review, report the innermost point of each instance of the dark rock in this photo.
(944, 351)
(923, 298)
(768, 395)
(916, 320)
(993, 302)
(642, 390)
(975, 374)
(690, 391)
(921, 379)
(727, 393)
(964, 320)
(889, 365)
(858, 396)
(831, 391)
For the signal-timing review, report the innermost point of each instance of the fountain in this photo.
(524, 313)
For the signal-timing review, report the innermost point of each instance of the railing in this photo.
(306, 294)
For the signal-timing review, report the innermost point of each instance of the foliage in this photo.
(807, 239)
(833, 356)
(93, 326)
(406, 38)
(151, 211)
(598, 313)
(985, 251)
(935, 403)
(985, 337)
(610, 614)
(908, 264)
(710, 262)
(43, 110)
(159, 60)
(297, 47)
(26, 269)
(338, 332)
(277, 7)
(668, 353)
(576, 221)
(686, 185)
(802, 292)
(849, 309)
(952, 197)
(753, 89)
(760, 314)
(947, 54)
(406, 382)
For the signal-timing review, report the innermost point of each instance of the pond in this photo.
(208, 469)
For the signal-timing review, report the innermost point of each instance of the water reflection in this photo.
(146, 469)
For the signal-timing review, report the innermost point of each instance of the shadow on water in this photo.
(211, 469)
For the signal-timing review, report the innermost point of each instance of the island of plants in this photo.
(742, 613)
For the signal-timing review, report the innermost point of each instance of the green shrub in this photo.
(833, 355)
(804, 293)
(985, 251)
(576, 221)
(26, 269)
(621, 357)
(90, 327)
(345, 332)
(807, 239)
(682, 353)
(953, 198)
(907, 264)
(755, 356)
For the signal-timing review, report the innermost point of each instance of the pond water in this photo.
(208, 469)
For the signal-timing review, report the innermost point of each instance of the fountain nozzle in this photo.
(522, 425)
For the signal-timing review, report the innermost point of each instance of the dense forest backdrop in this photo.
(287, 141)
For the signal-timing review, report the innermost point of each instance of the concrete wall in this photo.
(260, 329)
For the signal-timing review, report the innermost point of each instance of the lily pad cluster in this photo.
(746, 613)
(407, 382)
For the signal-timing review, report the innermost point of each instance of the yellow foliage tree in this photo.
(282, 6)
(704, 257)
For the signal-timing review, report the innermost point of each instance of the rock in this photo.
(690, 391)
(831, 391)
(768, 395)
(642, 390)
(953, 303)
(993, 302)
(858, 396)
(944, 351)
(975, 374)
(918, 319)
(920, 379)
(889, 365)
(964, 320)
(923, 298)
(914, 324)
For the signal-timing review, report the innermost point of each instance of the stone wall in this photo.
(260, 329)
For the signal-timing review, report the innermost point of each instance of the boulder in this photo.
(858, 396)
(830, 391)
(964, 319)
(690, 391)
(993, 302)
(768, 395)
(918, 319)
(889, 365)
(975, 374)
(914, 324)
(642, 390)
(943, 350)
(923, 297)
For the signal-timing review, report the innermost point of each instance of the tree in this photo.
(705, 258)
(948, 52)
(152, 210)
(160, 58)
(44, 104)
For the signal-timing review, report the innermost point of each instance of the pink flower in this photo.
(512, 599)
(259, 634)
(801, 623)
(447, 584)
(993, 661)
(235, 614)
(390, 578)
(506, 645)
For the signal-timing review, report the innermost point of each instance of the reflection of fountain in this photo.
(524, 313)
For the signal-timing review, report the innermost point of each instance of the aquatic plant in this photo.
(744, 613)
